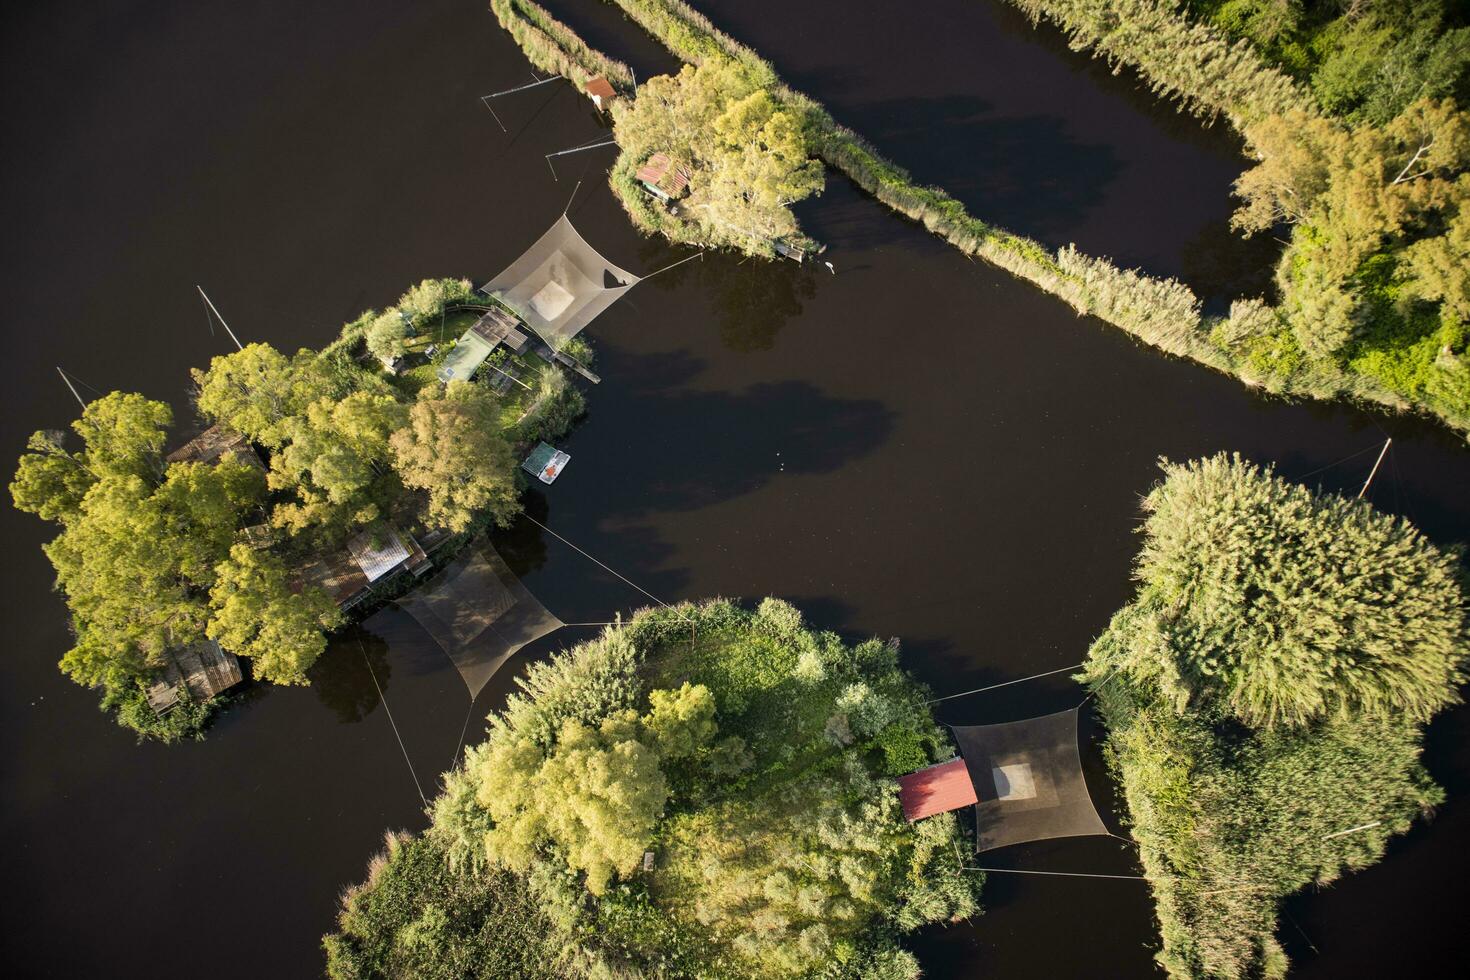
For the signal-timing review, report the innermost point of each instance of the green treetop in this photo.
(454, 448)
(253, 390)
(257, 615)
(1282, 607)
(597, 792)
(747, 156)
(334, 457)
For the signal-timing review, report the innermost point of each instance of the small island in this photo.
(1266, 694)
(703, 791)
(323, 483)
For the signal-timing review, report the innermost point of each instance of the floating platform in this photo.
(546, 463)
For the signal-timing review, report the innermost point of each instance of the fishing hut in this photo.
(494, 328)
(661, 178)
(196, 672)
(214, 443)
(1024, 779)
(601, 92)
(374, 557)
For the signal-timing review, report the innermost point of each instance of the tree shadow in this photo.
(751, 298)
(1026, 174)
(344, 682)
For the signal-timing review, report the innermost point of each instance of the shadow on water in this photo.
(732, 449)
(751, 299)
(343, 678)
(1031, 173)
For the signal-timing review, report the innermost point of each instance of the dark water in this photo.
(920, 446)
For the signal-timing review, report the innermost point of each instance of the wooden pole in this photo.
(1386, 443)
(238, 345)
(73, 388)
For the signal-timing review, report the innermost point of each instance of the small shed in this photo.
(936, 789)
(382, 550)
(546, 462)
(601, 92)
(370, 557)
(212, 444)
(198, 672)
(663, 179)
(496, 326)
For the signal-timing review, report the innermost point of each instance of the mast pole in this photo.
(238, 345)
(1382, 453)
(72, 387)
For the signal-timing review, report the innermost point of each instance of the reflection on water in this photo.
(751, 298)
(341, 678)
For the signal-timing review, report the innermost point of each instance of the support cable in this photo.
(1019, 680)
(389, 711)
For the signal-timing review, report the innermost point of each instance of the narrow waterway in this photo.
(920, 446)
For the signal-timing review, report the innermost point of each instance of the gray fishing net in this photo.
(1028, 779)
(560, 284)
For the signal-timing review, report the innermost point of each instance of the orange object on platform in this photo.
(937, 789)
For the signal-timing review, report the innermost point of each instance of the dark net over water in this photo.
(1028, 778)
(479, 612)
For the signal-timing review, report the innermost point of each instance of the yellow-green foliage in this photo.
(746, 156)
(415, 917)
(554, 47)
(1194, 63)
(1210, 74)
(1284, 607)
(1264, 694)
(752, 756)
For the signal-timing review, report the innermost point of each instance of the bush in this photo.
(1263, 695)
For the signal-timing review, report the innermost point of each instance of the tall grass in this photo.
(554, 47)
(1204, 70)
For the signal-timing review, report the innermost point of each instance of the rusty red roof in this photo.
(937, 789)
(601, 88)
(657, 172)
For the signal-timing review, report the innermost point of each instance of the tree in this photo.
(1357, 194)
(49, 481)
(253, 390)
(747, 155)
(136, 562)
(597, 792)
(385, 336)
(122, 435)
(454, 449)
(334, 458)
(428, 298)
(1285, 607)
(257, 615)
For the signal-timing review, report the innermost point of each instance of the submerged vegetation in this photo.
(1265, 694)
(705, 791)
(154, 554)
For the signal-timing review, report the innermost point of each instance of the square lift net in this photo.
(560, 284)
(1028, 780)
(479, 613)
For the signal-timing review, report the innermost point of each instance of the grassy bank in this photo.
(554, 47)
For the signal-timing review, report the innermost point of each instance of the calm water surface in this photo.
(918, 447)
